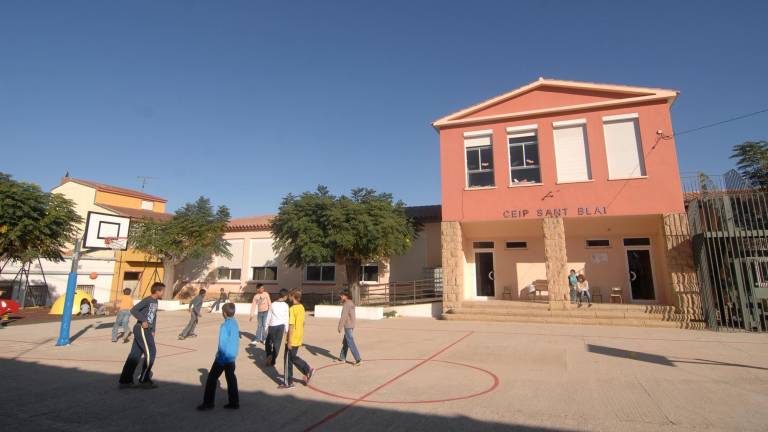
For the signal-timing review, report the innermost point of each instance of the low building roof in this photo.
(113, 189)
(135, 213)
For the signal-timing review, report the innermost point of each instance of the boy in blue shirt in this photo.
(229, 345)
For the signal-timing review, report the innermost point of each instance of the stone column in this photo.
(556, 262)
(452, 242)
(683, 278)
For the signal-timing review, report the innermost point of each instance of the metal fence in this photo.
(400, 293)
(729, 227)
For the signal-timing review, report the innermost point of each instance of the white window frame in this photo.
(320, 281)
(567, 124)
(229, 278)
(519, 132)
(478, 134)
(147, 205)
(378, 274)
(277, 273)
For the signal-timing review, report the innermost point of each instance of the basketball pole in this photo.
(69, 299)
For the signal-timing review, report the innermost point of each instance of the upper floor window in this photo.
(147, 205)
(230, 268)
(263, 260)
(523, 157)
(268, 273)
(320, 273)
(623, 146)
(571, 151)
(479, 158)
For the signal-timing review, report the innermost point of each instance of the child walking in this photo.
(294, 341)
(260, 307)
(124, 305)
(145, 313)
(347, 324)
(195, 312)
(276, 323)
(229, 344)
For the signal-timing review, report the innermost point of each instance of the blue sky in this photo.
(245, 101)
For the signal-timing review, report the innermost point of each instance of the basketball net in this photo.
(116, 243)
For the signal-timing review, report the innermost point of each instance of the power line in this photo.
(721, 122)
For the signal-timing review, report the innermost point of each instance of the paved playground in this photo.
(418, 375)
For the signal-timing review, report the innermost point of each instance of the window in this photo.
(369, 273)
(623, 147)
(598, 243)
(479, 155)
(517, 245)
(147, 205)
(482, 245)
(523, 158)
(637, 241)
(226, 273)
(230, 268)
(320, 273)
(264, 273)
(571, 151)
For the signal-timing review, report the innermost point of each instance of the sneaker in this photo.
(357, 363)
(181, 337)
(114, 340)
(193, 335)
(286, 386)
(231, 406)
(147, 385)
(339, 359)
(255, 342)
(308, 376)
(204, 407)
(123, 386)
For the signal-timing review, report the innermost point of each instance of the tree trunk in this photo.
(169, 276)
(352, 267)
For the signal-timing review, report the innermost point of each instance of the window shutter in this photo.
(236, 262)
(622, 146)
(477, 141)
(262, 254)
(571, 154)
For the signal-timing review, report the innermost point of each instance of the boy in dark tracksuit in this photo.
(229, 344)
(145, 313)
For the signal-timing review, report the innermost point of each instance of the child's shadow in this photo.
(315, 351)
(204, 378)
(259, 359)
(247, 335)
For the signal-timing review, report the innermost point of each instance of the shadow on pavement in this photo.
(660, 359)
(315, 351)
(69, 399)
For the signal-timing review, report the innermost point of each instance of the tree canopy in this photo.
(317, 227)
(195, 231)
(33, 223)
(752, 161)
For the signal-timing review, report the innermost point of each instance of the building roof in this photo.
(135, 213)
(423, 214)
(250, 223)
(636, 94)
(113, 189)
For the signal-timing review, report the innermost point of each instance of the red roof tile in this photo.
(250, 223)
(135, 213)
(113, 189)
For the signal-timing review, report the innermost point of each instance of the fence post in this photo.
(414, 292)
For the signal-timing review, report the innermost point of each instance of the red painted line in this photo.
(388, 382)
(494, 385)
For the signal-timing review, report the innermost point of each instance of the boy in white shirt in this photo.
(277, 321)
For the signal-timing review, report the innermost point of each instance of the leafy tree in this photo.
(195, 231)
(752, 161)
(33, 223)
(317, 227)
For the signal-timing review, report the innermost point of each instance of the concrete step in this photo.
(586, 313)
(631, 322)
(604, 307)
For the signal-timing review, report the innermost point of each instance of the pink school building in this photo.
(559, 175)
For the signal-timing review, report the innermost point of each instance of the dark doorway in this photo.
(640, 274)
(484, 274)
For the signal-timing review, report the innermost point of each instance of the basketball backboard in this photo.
(100, 228)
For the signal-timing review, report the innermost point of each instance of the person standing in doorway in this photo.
(195, 311)
(219, 301)
(294, 341)
(347, 325)
(573, 284)
(145, 313)
(123, 305)
(276, 323)
(229, 344)
(583, 286)
(260, 308)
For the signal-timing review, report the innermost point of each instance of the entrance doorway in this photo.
(640, 273)
(484, 283)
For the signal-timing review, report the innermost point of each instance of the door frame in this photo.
(648, 248)
(474, 271)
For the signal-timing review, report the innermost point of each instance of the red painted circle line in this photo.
(429, 401)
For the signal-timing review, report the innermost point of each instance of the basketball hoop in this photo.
(116, 243)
